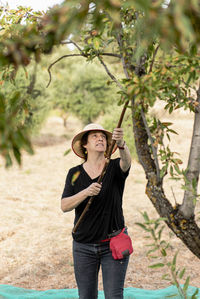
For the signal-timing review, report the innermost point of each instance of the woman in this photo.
(105, 216)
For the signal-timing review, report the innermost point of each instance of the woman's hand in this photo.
(118, 135)
(93, 189)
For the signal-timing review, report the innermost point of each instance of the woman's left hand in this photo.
(118, 135)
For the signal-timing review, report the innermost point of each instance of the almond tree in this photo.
(157, 46)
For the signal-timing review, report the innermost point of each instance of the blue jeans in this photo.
(87, 261)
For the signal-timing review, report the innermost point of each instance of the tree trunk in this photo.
(185, 229)
(188, 206)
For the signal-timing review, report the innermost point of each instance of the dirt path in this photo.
(35, 236)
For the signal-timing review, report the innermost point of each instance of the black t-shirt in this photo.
(105, 213)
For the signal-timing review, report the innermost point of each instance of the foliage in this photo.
(160, 251)
(25, 32)
(36, 103)
(157, 47)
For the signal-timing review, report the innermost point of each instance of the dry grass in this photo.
(35, 236)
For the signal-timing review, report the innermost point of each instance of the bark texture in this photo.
(185, 228)
(188, 206)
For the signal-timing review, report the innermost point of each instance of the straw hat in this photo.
(76, 142)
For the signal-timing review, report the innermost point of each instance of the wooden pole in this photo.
(103, 171)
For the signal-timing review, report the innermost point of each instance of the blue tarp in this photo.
(11, 292)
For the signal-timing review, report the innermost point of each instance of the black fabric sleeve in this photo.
(119, 172)
(68, 189)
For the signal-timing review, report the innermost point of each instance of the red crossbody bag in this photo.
(121, 245)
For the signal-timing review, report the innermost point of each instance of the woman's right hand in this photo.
(71, 202)
(93, 189)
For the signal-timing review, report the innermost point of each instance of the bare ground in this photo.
(35, 236)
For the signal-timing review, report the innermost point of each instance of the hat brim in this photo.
(76, 142)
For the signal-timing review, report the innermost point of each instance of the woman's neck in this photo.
(96, 160)
(94, 166)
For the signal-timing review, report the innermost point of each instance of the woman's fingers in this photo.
(118, 135)
(94, 189)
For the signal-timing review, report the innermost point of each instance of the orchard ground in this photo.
(35, 235)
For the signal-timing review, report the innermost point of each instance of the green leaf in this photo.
(176, 167)
(160, 232)
(152, 250)
(171, 296)
(75, 177)
(195, 293)
(67, 152)
(157, 224)
(171, 170)
(163, 251)
(143, 226)
(96, 42)
(186, 284)
(174, 259)
(17, 154)
(194, 183)
(163, 171)
(172, 131)
(158, 265)
(182, 273)
(165, 276)
(146, 217)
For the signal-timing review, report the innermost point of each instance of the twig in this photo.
(111, 54)
(52, 64)
(109, 73)
(75, 44)
(174, 196)
(153, 60)
(152, 146)
(81, 54)
(81, 51)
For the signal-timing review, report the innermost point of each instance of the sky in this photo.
(35, 4)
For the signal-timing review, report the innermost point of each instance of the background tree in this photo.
(158, 47)
(80, 88)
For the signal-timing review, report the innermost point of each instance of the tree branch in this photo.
(109, 73)
(153, 60)
(72, 42)
(193, 168)
(120, 43)
(62, 57)
(81, 51)
(154, 151)
(111, 54)
(83, 55)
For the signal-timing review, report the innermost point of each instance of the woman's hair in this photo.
(84, 140)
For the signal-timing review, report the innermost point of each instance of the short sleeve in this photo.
(119, 172)
(68, 189)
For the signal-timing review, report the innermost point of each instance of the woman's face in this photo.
(96, 141)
